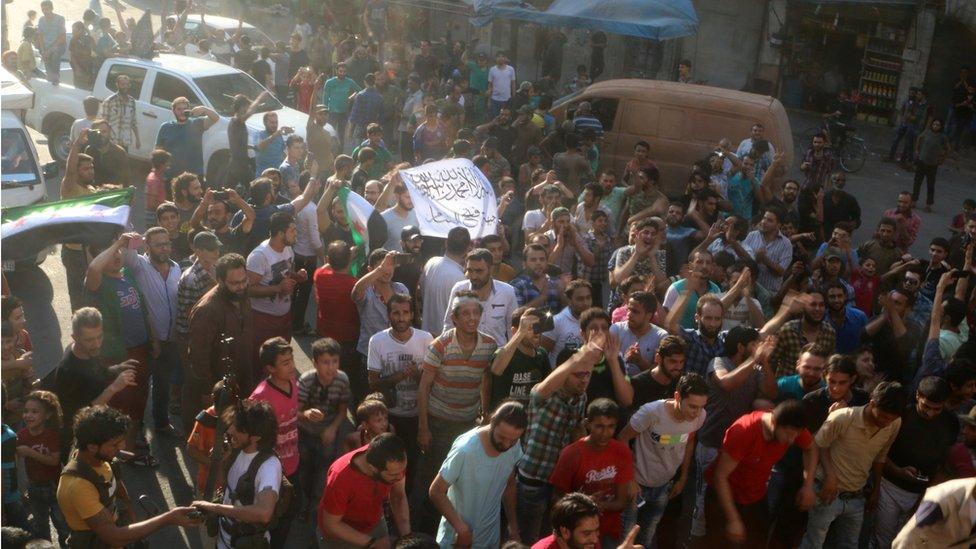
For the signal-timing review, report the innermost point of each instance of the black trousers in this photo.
(303, 290)
(927, 172)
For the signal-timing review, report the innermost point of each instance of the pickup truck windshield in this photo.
(222, 88)
(19, 168)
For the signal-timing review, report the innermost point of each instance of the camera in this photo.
(95, 138)
(400, 259)
(221, 195)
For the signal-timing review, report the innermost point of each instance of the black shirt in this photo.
(408, 274)
(77, 382)
(816, 405)
(261, 71)
(298, 59)
(244, 59)
(601, 383)
(922, 444)
(523, 373)
(237, 138)
(647, 389)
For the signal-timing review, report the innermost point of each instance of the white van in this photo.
(22, 179)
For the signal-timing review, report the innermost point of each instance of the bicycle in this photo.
(851, 151)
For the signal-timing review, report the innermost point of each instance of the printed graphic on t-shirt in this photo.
(405, 394)
(669, 440)
(278, 272)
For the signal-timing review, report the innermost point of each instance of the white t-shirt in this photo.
(496, 311)
(388, 356)
(501, 82)
(309, 239)
(440, 274)
(79, 126)
(267, 477)
(272, 266)
(660, 446)
(532, 220)
(565, 333)
(394, 225)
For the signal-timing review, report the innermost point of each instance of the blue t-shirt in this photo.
(741, 196)
(671, 297)
(262, 218)
(134, 331)
(9, 465)
(185, 142)
(271, 156)
(843, 258)
(790, 387)
(849, 335)
(477, 482)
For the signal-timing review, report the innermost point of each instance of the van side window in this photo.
(605, 111)
(167, 88)
(137, 75)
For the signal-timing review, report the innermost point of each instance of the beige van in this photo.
(682, 122)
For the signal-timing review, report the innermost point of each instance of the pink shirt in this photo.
(285, 406)
(911, 224)
(155, 190)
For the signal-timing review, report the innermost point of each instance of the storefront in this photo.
(853, 46)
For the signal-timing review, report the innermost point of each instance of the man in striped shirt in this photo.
(449, 399)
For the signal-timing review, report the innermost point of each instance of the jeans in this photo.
(406, 429)
(532, 506)
(927, 172)
(165, 370)
(339, 121)
(651, 503)
(406, 146)
(908, 133)
(841, 518)
(314, 461)
(52, 64)
(495, 108)
(704, 456)
(75, 266)
(894, 508)
(42, 501)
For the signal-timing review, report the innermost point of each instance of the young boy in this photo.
(374, 420)
(323, 397)
(202, 438)
(598, 240)
(600, 466)
(12, 309)
(19, 380)
(39, 445)
(866, 281)
(279, 390)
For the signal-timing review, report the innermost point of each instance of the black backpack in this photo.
(247, 534)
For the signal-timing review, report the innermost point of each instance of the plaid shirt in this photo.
(820, 167)
(789, 341)
(551, 425)
(193, 284)
(700, 352)
(597, 274)
(120, 113)
(526, 291)
(367, 107)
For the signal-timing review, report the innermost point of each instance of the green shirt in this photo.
(335, 93)
(477, 77)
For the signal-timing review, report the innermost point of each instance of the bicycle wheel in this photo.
(853, 155)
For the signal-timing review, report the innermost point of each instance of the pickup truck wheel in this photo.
(59, 140)
(217, 169)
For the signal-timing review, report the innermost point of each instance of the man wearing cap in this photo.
(321, 138)
(183, 137)
(962, 456)
(522, 96)
(398, 217)
(527, 135)
(408, 270)
(584, 120)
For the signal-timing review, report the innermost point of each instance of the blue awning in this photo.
(653, 19)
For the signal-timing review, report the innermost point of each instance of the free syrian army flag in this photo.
(91, 219)
(367, 225)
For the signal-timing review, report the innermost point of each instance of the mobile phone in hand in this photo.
(136, 242)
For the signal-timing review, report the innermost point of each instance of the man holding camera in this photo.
(214, 214)
(90, 488)
(111, 160)
(269, 146)
(183, 137)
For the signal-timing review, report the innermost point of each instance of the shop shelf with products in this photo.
(880, 73)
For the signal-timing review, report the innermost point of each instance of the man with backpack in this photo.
(256, 493)
(90, 487)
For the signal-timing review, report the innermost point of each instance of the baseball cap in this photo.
(206, 240)
(833, 253)
(525, 86)
(409, 232)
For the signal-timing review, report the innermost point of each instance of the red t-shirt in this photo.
(596, 473)
(549, 542)
(744, 442)
(338, 317)
(285, 406)
(961, 460)
(864, 290)
(47, 443)
(24, 341)
(348, 493)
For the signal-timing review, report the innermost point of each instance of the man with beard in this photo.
(399, 216)
(907, 221)
(770, 248)
(321, 138)
(891, 336)
(252, 434)
(407, 272)
(187, 193)
(221, 313)
(215, 216)
(81, 379)
(566, 328)
(534, 287)
(272, 279)
(158, 277)
(638, 335)
(847, 320)
(882, 248)
(269, 144)
(478, 474)
(183, 137)
(359, 483)
(78, 180)
(791, 336)
(239, 172)
(840, 205)
(263, 199)
(818, 162)
(665, 430)
(660, 381)
(119, 110)
(707, 339)
(111, 160)
(498, 301)
(100, 434)
(696, 284)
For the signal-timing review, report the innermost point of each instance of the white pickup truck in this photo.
(155, 83)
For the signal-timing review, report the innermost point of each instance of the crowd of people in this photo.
(742, 350)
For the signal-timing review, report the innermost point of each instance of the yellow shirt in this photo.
(78, 498)
(855, 444)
